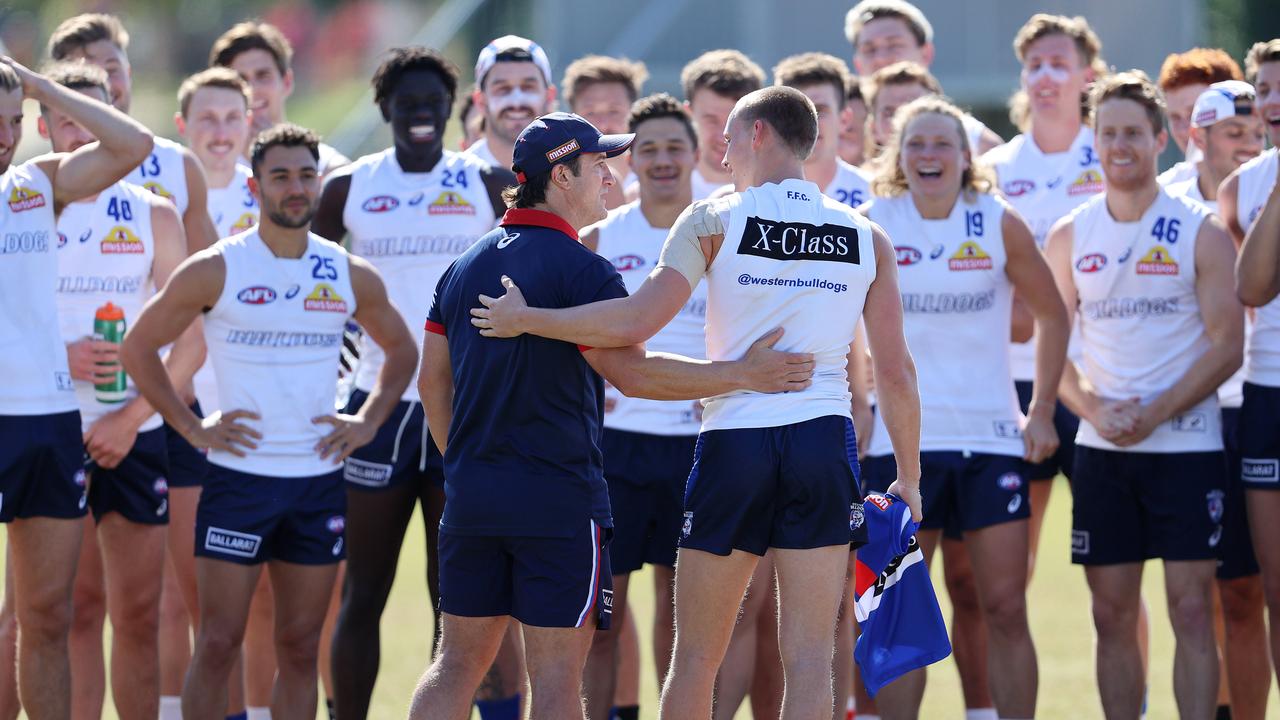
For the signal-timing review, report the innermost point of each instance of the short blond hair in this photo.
(219, 77)
(1130, 85)
(1042, 25)
(1262, 52)
(890, 181)
(602, 69)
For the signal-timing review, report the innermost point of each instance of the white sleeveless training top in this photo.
(796, 259)
(1140, 322)
(164, 173)
(105, 253)
(233, 208)
(33, 358)
(850, 186)
(702, 187)
(1044, 188)
(274, 337)
(627, 240)
(956, 301)
(1262, 353)
(1231, 393)
(411, 226)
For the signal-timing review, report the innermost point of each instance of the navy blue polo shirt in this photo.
(524, 448)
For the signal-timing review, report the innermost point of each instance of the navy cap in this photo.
(560, 137)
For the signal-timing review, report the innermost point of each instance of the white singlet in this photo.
(164, 173)
(330, 159)
(1043, 188)
(956, 297)
(1180, 172)
(1140, 322)
(34, 358)
(627, 240)
(850, 186)
(702, 187)
(1262, 352)
(106, 248)
(274, 337)
(796, 259)
(480, 149)
(411, 226)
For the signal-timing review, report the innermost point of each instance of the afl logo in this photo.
(256, 295)
(1091, 263)
(62, 240)
(336, 524)
(380, 204)
(908, 255)
(1018, 188)
(1010, 481)
(624, 263)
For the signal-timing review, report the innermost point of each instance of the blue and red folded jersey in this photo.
(897, 610)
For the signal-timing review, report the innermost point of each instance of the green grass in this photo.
(1059, 606)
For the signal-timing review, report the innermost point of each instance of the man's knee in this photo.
(1115, 618)
(1191, 612)
(298, 645)
(218, 643)
(1242, 600)
(89, 607)
(963, 591)
(1005, 610)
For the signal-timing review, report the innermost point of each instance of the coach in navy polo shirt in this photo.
(526, 514)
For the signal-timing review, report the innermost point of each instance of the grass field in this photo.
(1059, 606)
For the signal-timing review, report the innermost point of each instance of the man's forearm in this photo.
(1203, 378)
(1257, 279)
(148, 372)
(389, 387)
(604, 324)
(118, 134)
(898, 398)
(1051, 355)
(665, 376)
(1078, 398)
(437, 403)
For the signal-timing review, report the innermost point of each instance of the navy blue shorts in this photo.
(557, 582)
(1066, 423)
(646, 475)
(1260, 437)
(402, 451)
(1236, 558)
(793, 486)
(138, 487)
(41, 466)
(187, 465)
(1134, 506)
(249, 519)
(961, 491)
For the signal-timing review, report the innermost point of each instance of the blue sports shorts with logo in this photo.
(1128, 507)
(961, 491)
(187, 465)
(1066, 423)
(1259, 436)
(793, 486)
(646, 475)
(249, 519)
(1236, 558)
(137, 488)
(41, 467)
(402, 451)
(557, 582)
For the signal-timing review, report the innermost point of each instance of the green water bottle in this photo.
(108, 325)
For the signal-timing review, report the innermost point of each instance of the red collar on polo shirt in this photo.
(538, 218)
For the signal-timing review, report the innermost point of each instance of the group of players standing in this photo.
(1065, 229)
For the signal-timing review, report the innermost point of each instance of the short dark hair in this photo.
(286, 134)
(814, 68)
(9, 80)
(533, 191)
(853, 89)
(468, 102)
(75, 33)
(77, 76)
(723, 72)
(660, 105)
(788, 111)
(252, 35)
(1131, 85)
(601, 69)
(407, 59)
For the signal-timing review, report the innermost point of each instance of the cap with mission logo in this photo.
(559, 137)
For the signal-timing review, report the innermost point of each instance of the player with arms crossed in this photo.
(41, 464)
(1251, 209)
(770, 472)
(410, 210)
(1149, 277)
(275, 301)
